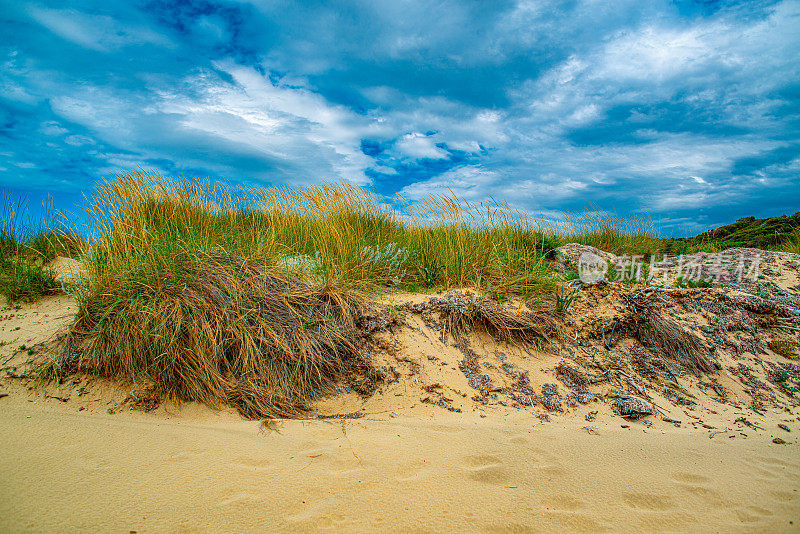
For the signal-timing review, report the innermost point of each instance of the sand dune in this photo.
(425, 452)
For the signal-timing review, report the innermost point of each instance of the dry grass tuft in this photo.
(668, 339)
(461, 312)
(218, 329)
(673, 343)
(792, 244)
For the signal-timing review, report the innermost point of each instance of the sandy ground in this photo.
(424, 455)
(76, 457)
(203, 471)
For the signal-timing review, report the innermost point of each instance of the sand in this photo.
(201, 471)
(75, 456)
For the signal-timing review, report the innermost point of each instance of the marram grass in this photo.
(340, 234)
(257, 297)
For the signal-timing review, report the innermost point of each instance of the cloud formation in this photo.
(684, 111)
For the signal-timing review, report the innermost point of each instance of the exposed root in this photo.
(461, 312)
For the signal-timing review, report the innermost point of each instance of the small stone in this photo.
(778, 441)
(783, 427)
(633, 408)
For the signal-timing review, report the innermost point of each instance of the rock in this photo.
(783, 427)
(633, 407)
(778, 441)
(591, 263)
(571, 252)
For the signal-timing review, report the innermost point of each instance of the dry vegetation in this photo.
(220, 328)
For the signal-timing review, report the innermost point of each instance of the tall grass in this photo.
(186, 285)
(26, 249)
(338, 234)
(612, 233)
(792, 244)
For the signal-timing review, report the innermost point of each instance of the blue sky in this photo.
(684, 111)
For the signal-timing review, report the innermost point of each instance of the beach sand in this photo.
(77, 457)
(198, 470)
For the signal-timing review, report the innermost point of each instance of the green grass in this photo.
(772, 233)
(337, 234)
(25, 252)
(23, 279)
(612, 233)
(792, 243)
(691, 284)
(254, 297)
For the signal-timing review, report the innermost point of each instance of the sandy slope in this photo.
(406, 466)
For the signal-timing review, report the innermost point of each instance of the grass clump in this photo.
(462, 312)
(24, 279)
(564, 299)
(792, 243)
(612, 233)
(692, 284)
(25, 254)
(787, 349)
(219, 328)
(256, 298)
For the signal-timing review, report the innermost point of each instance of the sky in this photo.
(683, 112)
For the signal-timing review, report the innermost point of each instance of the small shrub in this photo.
(429, 271)
(787, 349)
(680, 282)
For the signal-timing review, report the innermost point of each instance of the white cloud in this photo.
(97, 32)
(419, 146)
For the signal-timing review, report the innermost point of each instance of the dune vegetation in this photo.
(262, 298)
(338, 234)
(25, 251)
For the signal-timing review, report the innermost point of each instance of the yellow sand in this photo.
(406, 466)
(197, 471)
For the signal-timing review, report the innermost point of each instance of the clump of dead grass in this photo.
(220, 328)
(462, 312)
(666, 337)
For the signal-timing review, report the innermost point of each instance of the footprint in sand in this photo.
(649, 501)
(413, 471)
(689, 478)
(243, 499)
(252, 464)
(488, 469)
(322, 514)
(748, 515)
(710, 496)
(783, 496)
